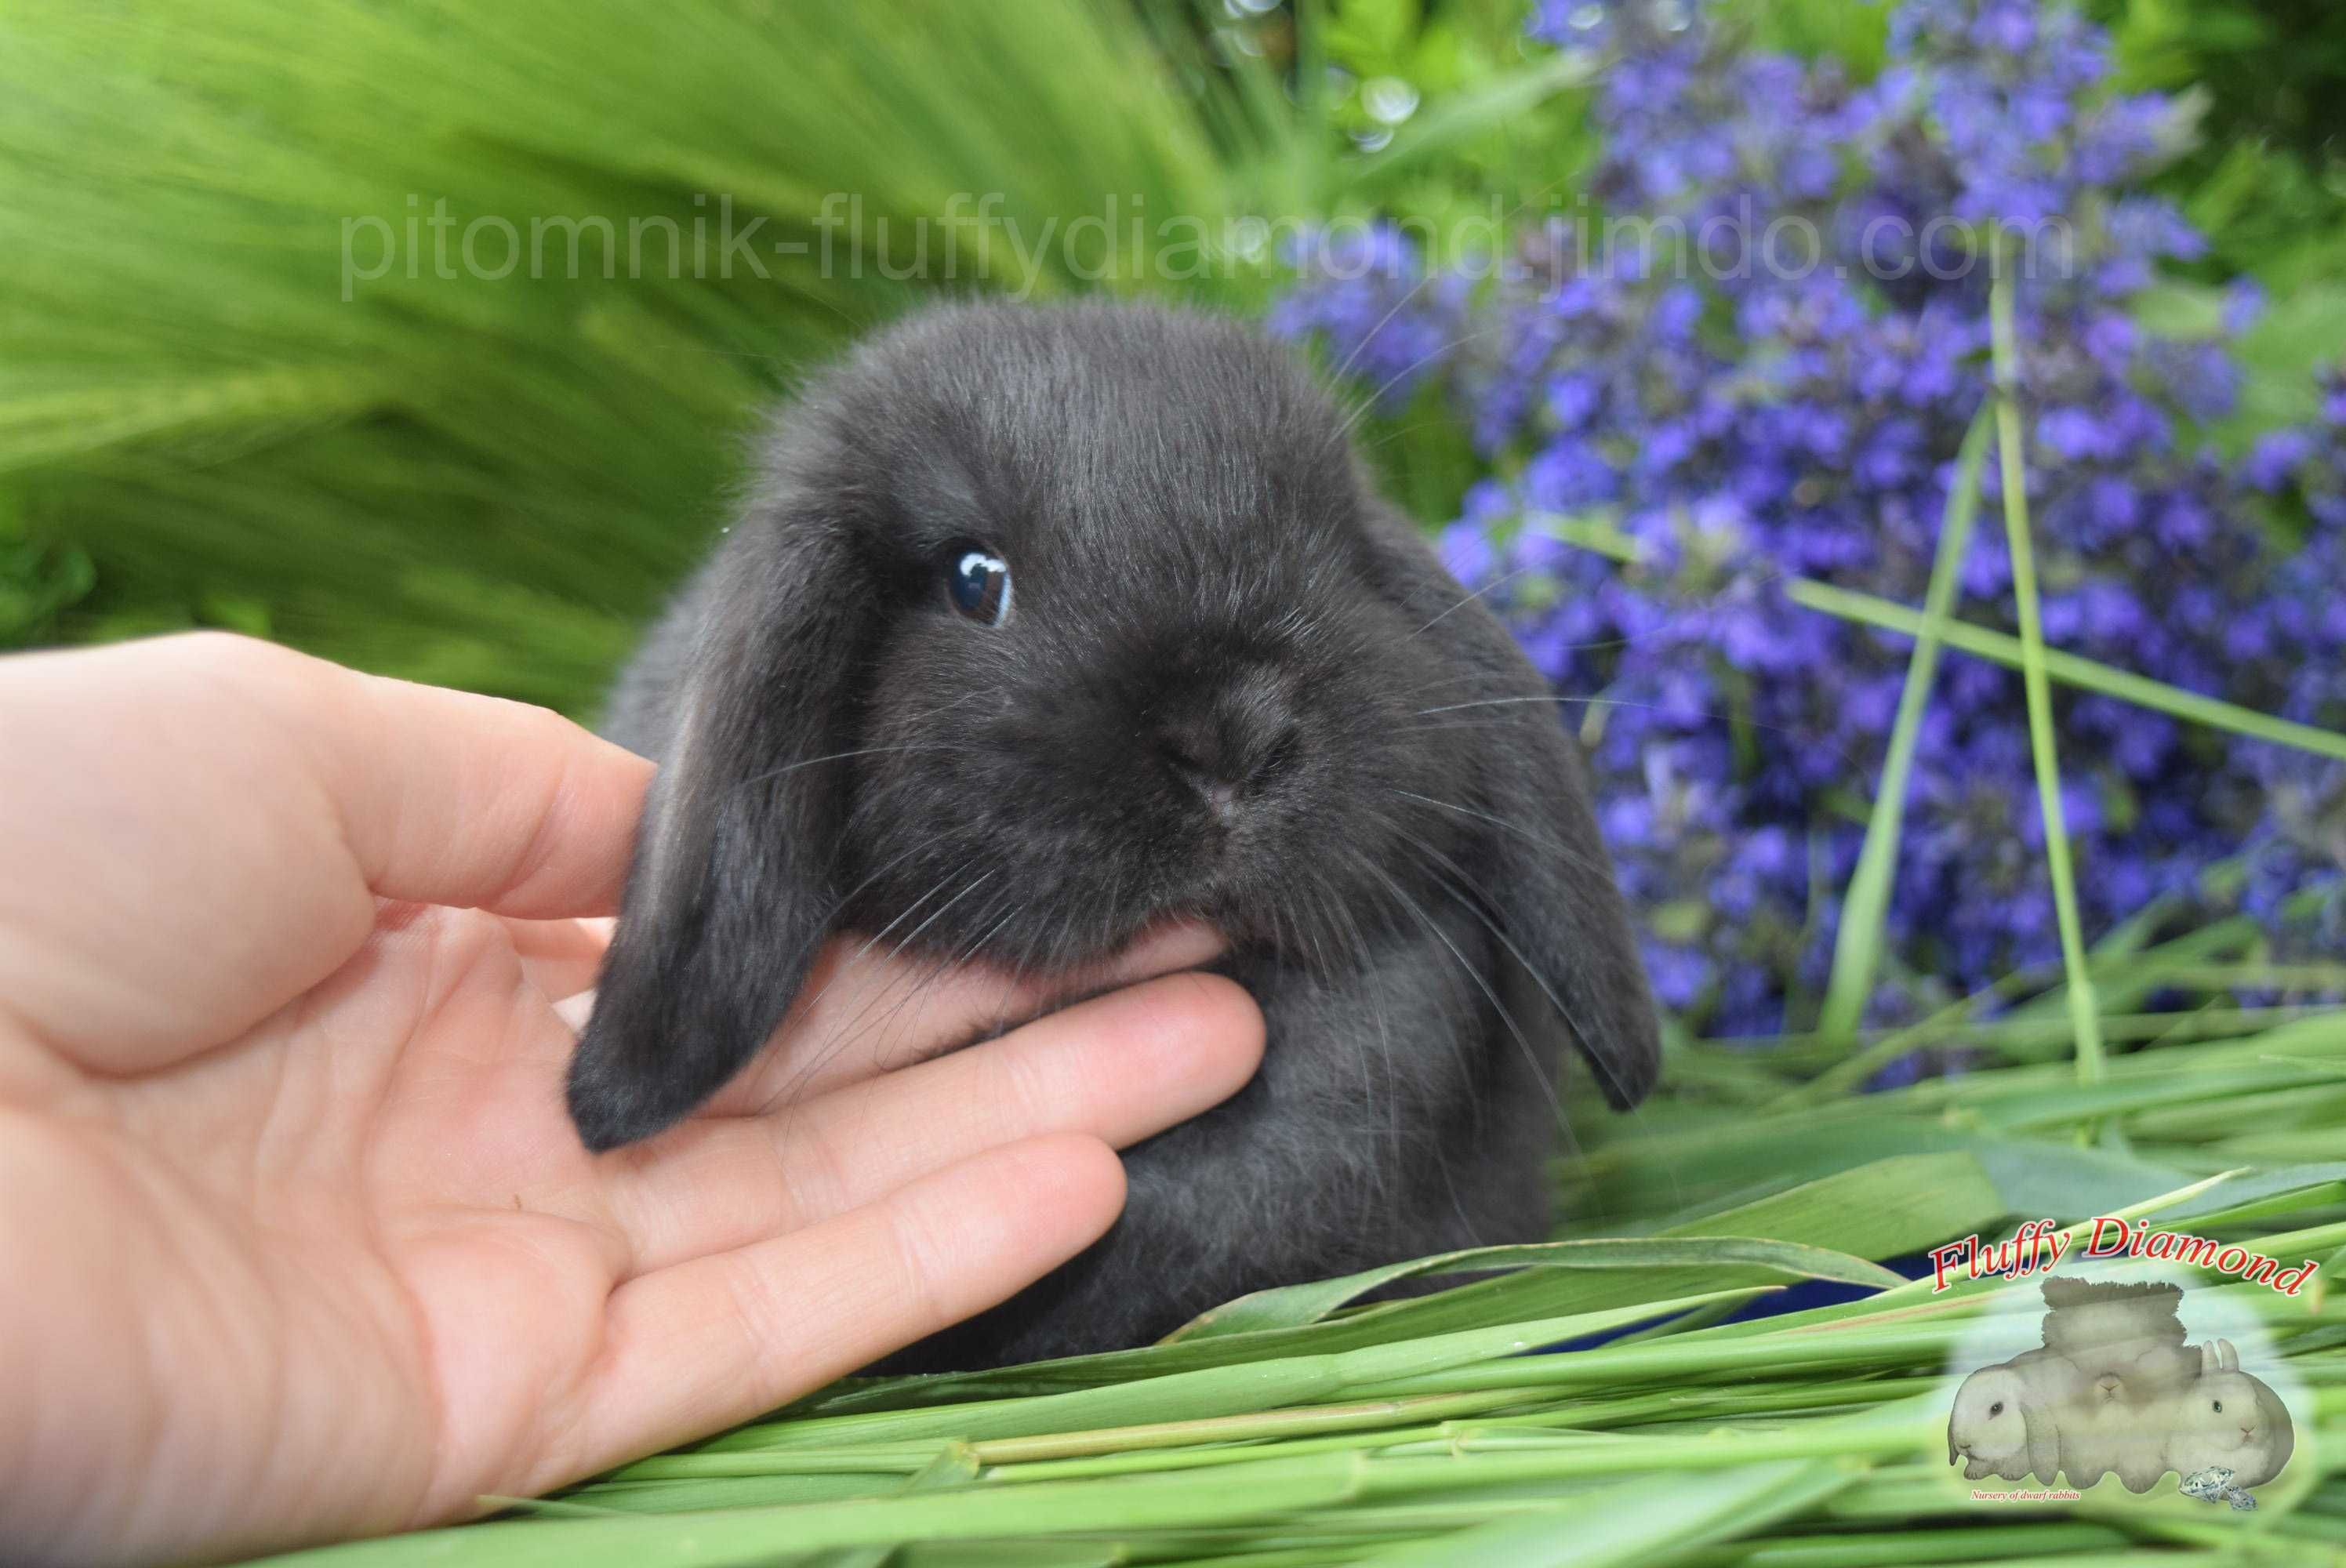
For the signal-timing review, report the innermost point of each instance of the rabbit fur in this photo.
(1229, 683)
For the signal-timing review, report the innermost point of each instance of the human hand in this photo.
(297, 1238)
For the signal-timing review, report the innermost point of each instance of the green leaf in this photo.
(1195, 1378)
(1857, 946)
(1639, 1521)
(2085, 674)
(1295, 1305)
(757, 1537)
(2084, 1016)
(1880, 1209)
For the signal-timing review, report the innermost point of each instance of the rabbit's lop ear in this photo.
(2044, 1440)
(731, 894)
(1559, 910)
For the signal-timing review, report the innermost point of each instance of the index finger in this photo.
(200, 830)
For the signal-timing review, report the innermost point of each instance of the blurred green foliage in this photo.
(236, 389)
(2266, 182)
(455, 470)
(2273, 71)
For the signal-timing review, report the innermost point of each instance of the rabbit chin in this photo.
(1105, 967)
(1254, 914)
(1071, 977)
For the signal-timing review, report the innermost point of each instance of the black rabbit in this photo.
(1091, 612)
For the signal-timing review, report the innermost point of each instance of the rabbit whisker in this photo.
(1513, 701)
(1371, 981)
(1297, 953)
(1493, 584)
(1435, 930)
(841, 756)
(850, 1031)
(1370, 401)
(1370, 336)
(1577, 857)
(841, 902)
(1436, 860)
(1713, 717)
(1563, 1012)
(941, 967)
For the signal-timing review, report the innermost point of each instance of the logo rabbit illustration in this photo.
(2114, 1389)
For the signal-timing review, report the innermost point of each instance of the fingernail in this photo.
(573, 1009)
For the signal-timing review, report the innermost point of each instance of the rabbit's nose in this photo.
(1232, 747)
(1199, 759)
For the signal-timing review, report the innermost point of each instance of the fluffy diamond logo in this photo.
(2115, 1387)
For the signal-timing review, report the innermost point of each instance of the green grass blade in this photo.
(762, 1536)
(1505, 97)
(2085, 1015)
(1638, 1521)
(1207, 1391)
(1857, 948)
(1598, 534)
(2072, 671)
(1295, 1306)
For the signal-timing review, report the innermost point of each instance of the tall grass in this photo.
(1857, 945)
(2013, 465)
(1298, 1429)
(488, 481)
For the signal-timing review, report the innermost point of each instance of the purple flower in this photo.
(1467, 553)
(2276, 458)
(2075, 434)
(1764, 422)
(1368, 306)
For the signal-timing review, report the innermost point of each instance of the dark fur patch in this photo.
(1207, 701)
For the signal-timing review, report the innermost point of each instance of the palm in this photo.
(283, 1134)
(380, 1182)
(478, 1204)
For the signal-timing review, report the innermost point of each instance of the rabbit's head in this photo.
(1989, 1427)
(2226, 1417)
(1043, 626)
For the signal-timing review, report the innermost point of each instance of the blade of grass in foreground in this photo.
(2072, 669)
(1207, 1391)
(1296, 1304)
(1857, 947)
(765, 1535)
(2085, 1015)
(1636, 1522)
(1761, 1442)
(1887, 1210)
(1598, 534)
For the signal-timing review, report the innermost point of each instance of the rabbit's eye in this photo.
(2220, 1407)
(977, 583)
(1997, 1408)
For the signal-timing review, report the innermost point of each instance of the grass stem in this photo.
(1857, 945)
(2084, 1015)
